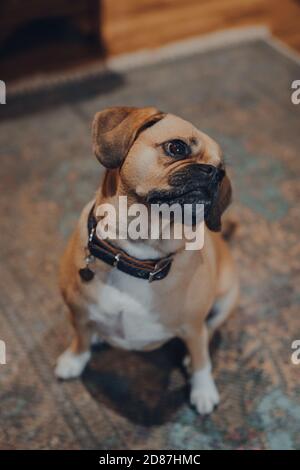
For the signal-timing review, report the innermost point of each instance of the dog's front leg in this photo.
(204, 393)
(72, 362)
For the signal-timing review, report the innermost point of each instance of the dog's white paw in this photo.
(70, 365)
(204, 394)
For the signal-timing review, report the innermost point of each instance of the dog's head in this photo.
(161, 158)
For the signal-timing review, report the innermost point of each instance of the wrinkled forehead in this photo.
(174, 127)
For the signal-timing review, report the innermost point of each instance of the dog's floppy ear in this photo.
(223, 199)
(115, 129)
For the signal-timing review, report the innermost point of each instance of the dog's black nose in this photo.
(214, 173)
(211, 174)
(219, 175)
(207, 169)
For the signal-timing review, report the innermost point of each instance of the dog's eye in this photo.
(176, 148)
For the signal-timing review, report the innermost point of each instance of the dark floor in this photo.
(47, 46)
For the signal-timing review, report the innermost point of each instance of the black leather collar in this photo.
(150, 270)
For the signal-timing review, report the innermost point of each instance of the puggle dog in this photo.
(138, 294)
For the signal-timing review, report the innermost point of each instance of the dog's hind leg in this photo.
(227, 289)
(223, 307)
(224, 304)
(221, 310)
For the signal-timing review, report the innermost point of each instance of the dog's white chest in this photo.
(126, 316)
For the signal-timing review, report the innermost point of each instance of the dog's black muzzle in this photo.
(196, 183)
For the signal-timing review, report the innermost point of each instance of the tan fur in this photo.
(197, 278)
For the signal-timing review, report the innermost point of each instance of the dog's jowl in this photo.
(139, 292)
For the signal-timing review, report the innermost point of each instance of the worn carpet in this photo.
(240, 95)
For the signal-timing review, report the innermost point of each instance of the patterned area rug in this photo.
(240, 95)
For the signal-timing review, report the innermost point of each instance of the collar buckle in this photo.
(160, 265)
(117, 259)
